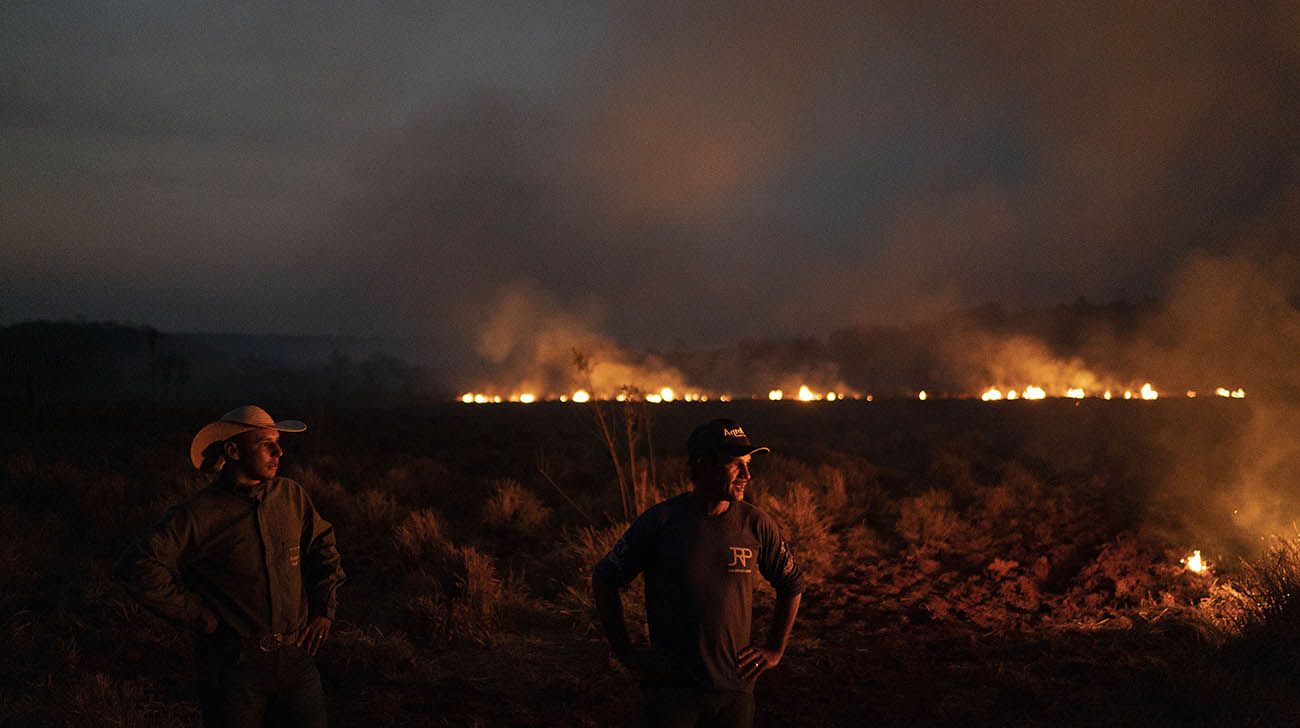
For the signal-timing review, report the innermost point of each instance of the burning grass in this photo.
(976, 567)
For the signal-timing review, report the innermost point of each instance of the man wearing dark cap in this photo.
(249, 565)
(701, 552)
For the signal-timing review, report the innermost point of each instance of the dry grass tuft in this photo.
(579, 552)
(327, 495)
(512, 507)
(376, 509)
(1262, 607)
(806, 528)
(420, 537)
(928, 521)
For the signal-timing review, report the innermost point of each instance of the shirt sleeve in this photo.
(776, 562)
(322, 566)
(150, 569)
(630, 554)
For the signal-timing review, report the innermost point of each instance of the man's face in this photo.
(256, 454)
(724, 478)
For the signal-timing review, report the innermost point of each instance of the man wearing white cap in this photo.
(250, 565)
(701, 553)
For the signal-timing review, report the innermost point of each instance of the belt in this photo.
(270, 642)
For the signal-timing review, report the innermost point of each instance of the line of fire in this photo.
(806, 394)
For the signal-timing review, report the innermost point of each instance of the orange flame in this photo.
(1195, 563)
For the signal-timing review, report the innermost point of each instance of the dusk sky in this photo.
(701, 172)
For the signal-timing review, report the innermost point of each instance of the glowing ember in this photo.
(775, 395)
(992, 395)
(1195, 563)
(921, 395)
(1191, 394)
(1074, 393)
(1238, 394)
(806, 394)
(1148, 392)
(1034, 393)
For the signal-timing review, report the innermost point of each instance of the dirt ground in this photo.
(1015, 564)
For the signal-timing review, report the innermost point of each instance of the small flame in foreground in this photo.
(527, 398)
(581, 396)
(1148, 392)
(1075, 393)
(921, 395)
(666, 394)
(806, 394)
(1032, 392)
(1195, 563)
(992, 395)
(775, 395)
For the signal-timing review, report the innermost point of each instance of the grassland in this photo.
(972, 564)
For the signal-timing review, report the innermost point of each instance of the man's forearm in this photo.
(609, 607)
(782, 622)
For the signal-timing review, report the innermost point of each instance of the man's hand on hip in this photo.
(314, 634)
(754, 661)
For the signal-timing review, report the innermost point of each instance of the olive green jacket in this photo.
(262, 559)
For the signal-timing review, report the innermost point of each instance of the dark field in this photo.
(1013, 563)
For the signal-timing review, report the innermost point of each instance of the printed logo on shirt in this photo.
(295, 555)
(740, 556)
(788, 558)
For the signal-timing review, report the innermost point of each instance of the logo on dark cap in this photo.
(721, 436)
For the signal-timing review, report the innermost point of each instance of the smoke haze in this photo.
(510, 184)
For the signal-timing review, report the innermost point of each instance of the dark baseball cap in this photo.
(722, 436)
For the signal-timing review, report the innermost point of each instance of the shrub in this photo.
(806, 530)
(928, 520)
(515, 508)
